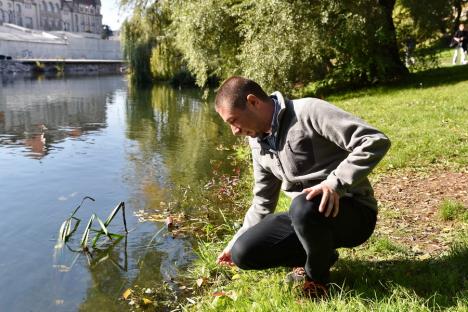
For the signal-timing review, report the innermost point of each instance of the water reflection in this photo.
(36, 115)
(63, 139)
(177, 135)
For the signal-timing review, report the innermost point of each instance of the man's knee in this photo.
(305, 210)
(242, 254)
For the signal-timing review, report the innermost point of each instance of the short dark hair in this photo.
(233, 92)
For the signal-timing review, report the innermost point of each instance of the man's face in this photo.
(461, 27)
(246, 122)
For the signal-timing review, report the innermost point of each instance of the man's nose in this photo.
(235, 130)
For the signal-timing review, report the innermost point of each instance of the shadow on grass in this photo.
(424, 79)
(436, 77)
(437, 281)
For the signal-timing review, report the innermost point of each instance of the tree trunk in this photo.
(395, 67)
(458, 8)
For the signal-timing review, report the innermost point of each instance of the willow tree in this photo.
(148, 42)
(280, 43)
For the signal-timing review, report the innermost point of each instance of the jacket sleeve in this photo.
(266, 192)
(365, 144)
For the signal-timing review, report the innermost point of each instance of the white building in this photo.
(49, 15)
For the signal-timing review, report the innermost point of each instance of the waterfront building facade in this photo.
(53, 15)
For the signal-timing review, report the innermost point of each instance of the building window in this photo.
(44, 6)
(51, 7)
(27, 5)
(1, 4)
(57, 6)
(18, 8)
(28, 22)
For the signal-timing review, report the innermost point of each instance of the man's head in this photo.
(461, 27)
(244, 105)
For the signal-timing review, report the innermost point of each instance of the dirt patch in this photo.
(409, 209)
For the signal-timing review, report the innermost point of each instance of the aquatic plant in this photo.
(70, 225)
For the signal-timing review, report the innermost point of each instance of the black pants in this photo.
(303, 237)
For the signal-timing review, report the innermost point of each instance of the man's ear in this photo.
(252, 100)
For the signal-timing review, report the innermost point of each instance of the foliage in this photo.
(205, 33)
(70, 225)
(428, 18)
(148, 44)
(279, 43)
(283, 44)
(137, 47)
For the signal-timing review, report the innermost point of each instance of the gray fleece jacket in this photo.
(316, 142)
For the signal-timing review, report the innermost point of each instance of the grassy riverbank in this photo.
(417, 259)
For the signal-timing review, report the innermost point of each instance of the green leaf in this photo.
(67, 229)
(103, 227)
(96, 238)
(81, 203)
(84, 238)
(112, 214)
(62, 231)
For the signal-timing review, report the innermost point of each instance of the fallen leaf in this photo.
(127, 293)
(219, 294)
(201, 281)
(146, 301)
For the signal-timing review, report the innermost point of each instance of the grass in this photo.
(452, 210)
(426, 119)
(386, 281)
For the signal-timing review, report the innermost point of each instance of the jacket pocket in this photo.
(299, 153)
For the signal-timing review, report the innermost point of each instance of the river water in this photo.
(63, 139)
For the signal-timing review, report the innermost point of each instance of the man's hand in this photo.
(330, 203)
(224, 258)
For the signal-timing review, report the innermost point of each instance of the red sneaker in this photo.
(315, 290)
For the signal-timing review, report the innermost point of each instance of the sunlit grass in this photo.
(369, 279)
(426, 119)
(453, 210)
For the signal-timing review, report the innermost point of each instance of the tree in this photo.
(458, 6)
(148, 44)
(279, 43)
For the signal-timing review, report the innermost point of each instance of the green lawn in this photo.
(426, 118)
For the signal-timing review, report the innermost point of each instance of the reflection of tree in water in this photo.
(175, 136)
(176, 131)
(148, 267)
